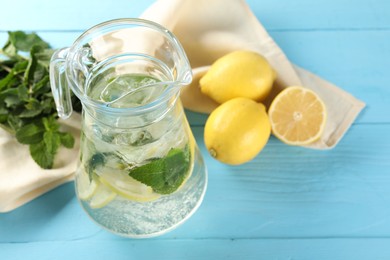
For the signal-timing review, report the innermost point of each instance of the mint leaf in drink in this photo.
(97, 160)
(164, 175)
(140, 138)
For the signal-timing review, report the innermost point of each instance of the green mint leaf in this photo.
(97, 160)
(67, 140)
(5, 81)
(26, 99)
(164, 175)
(42, 84)
(22, 92)
(32, 104)
(10, 91)
(52, 141)
(48, 106)
(3, 120)
(20, 67)
(30, 134)
(12, 100)
(40, 72)
(44, 151)
(176, 163)
(50, 124)
(30, 113)
(3, 110)
(44, 57)
(32, 65)
(41, 156)
(14, 123)
(22, 41)
(33, 108)
(151, 174)
(9, 49)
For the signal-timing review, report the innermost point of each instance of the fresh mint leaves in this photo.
(21, 41)
(164, 175)
(27, 107)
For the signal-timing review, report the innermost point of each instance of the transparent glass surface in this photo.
(140, 172)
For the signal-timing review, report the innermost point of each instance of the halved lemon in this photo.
(297, 116)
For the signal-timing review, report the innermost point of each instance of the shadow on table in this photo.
(40, 212)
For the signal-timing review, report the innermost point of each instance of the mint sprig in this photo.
(166, 174)
(27, 108)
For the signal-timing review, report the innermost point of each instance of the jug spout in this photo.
(59, 83)
(121, 64)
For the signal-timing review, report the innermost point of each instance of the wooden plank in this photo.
(276, 15)
(67, 15)
(286, 192)
(209, 248)
(323, 14)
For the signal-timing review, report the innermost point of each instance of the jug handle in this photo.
(59, 84)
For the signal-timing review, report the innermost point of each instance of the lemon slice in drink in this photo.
(297, 116)
(127, 187)
(191, 146)
(103, 195)
(86, 188)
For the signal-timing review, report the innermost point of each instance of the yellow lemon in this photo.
(237, 131)
(297, 115)
(127, 187)
(238, 74)
(102, 196)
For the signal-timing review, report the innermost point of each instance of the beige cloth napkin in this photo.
(207, 30)
(22, 180)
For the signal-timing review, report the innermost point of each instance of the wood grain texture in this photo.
(229, 249)
(341, 15)
(285, 192)
(289, 202)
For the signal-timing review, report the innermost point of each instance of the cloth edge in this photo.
(35, 193)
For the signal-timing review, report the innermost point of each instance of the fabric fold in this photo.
(22, 180)
(208, 30)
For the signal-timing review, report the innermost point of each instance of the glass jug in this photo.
(140, 173)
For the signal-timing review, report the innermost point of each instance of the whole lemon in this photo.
(237, 131)
(238, 74)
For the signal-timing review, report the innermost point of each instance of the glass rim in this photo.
(123, 23)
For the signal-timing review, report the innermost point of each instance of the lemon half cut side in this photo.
(297, 116)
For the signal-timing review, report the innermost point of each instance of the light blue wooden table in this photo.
(288, 203)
